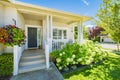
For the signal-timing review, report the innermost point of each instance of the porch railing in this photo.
(17, 51)
(57, 45)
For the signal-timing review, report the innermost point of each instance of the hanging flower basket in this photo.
(11, 35)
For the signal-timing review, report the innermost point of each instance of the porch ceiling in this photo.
(33, 16)
(29, 16)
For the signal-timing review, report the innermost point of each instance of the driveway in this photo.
(45, 74)
(109, 45)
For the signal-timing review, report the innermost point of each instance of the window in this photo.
(64, 34)
(55, 34)
(59, 34)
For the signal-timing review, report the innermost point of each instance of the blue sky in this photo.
(82, 7)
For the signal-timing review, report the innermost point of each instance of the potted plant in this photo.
(11, 35)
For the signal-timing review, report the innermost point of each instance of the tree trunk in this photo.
(118, 46)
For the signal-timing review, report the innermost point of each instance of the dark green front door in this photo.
(32, 37)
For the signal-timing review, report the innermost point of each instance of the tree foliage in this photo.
(76, 32)
(95, 32)
(109, 18)
(85, 32)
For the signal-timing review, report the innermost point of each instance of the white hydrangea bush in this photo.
(75, 54)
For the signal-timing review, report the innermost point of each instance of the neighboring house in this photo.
(44, 28)
(105, 38)
(95, 32)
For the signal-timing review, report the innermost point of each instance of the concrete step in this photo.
(31, 61)
(33, 67)
(31, 54)
(31, 57)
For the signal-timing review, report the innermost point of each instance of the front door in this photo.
(32, 37)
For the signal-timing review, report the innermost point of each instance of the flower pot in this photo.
(8, 49)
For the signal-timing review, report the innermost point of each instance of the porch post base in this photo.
(47, 55)
(15, 72)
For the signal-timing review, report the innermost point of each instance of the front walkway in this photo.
(45, 74)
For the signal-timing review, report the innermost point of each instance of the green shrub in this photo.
(84, 54)
(97, 39)
(6, 65)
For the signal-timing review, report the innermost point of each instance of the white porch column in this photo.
(15, 60)
(51, 33)
(80, 33)
(47, 29)
(47, 42)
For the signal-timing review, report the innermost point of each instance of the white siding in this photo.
(108, 40)
(71, 34)
(1, 15)
(20, 21)
(33, 22)
(1, 24)
(10, 14)
(60, 24)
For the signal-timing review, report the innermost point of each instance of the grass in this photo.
(107, 70)
(6, 65)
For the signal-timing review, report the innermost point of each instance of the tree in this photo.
(109, 18)
(75, 32)
(94, 33)
(85, 32)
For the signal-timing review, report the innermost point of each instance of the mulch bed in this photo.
(79, 66)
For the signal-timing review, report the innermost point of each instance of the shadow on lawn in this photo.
(107, 70)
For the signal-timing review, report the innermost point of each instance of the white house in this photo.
(44, 27)
(105, 39)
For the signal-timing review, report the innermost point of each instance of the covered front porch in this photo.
(45, 29)
(50, 36)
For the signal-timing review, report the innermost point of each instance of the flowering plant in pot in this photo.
(11, 35)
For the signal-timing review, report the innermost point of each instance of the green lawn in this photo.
(107, 70)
